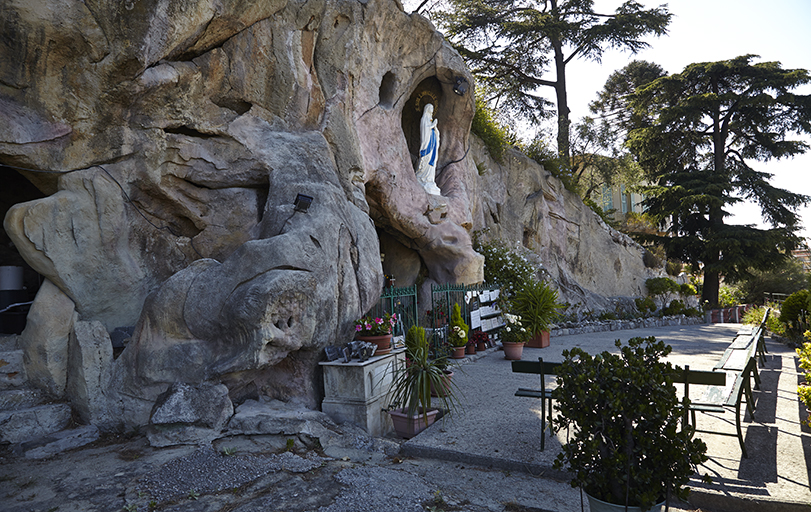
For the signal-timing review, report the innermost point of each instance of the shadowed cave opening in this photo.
(16, 189)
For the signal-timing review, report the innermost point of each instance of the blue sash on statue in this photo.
(431, 148)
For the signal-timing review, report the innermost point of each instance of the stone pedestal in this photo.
(355, 392)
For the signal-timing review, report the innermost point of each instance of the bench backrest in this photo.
(702, 377)
(539, 367)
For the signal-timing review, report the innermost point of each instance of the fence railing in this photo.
(403, 302)
(774, 297)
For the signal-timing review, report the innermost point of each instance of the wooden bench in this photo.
(717, 398)
(727, 393)
(542, 369)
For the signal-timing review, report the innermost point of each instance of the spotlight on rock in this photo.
(460, 86)
(302, 203)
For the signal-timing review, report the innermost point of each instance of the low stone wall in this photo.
(620, 325)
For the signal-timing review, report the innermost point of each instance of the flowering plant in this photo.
(375, 326)
(514, 331)
(479, 337)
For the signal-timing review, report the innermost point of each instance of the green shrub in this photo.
(496, 137)
(773, 324)
(794, 310)
(537, 305)
(692, 312)
(676, 307)
(804, 390)
(645, 305)
(458, 336)
(687, 290)
(673, 268)
(608, 315)
(728, 297)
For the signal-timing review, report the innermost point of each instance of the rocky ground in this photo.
(262, 473)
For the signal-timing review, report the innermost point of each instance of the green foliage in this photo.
(703, 127)
(458, 335)
(618, 448)
(514, 330)
(804, 390)
(692, 312)
(728, 296)
(661, 288)
(496, 137)
(607, 315)
(537, 305)
(794, 311)
(676, 307)
(787, 278)
(673, 267)
(773, 324)
(503, 265)
(687, 289)
(415, 337)
(514, 47)
(412, 383)
(645, 304)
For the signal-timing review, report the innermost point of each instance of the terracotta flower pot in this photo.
(383, 343)
(539, 340)
(513, 351)
(470, 348)
(446, 385)
(481, 346)
(458, 352)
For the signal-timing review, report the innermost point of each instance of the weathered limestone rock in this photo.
(211, 117)
(45, 339)
(520, 202)
(21, 425)
(190, 414)
(89, 372)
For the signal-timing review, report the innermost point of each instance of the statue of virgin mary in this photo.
(429, 149)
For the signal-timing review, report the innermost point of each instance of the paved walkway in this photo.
(497, 429)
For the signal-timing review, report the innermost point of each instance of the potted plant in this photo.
(376, 330)
(624, 451)
(479, 338)
(458, 334)
(537, 305)
(513, 337)
(411, 387)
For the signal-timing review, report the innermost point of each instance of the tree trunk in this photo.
(560, 94)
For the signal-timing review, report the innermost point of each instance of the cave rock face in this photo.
(182, 132)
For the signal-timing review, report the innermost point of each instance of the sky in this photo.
(711, 30)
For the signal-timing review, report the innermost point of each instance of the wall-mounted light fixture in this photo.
(460, 85)
(302, 202)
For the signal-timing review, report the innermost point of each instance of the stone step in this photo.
(49, 445)
(32, 422)
(16, 399)
(12, 369)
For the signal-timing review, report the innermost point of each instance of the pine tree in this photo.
(706, 125)
(510, 46)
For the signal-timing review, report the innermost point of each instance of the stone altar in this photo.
(355, 392)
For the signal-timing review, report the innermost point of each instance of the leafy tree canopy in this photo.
(697, 133)
(514, 47)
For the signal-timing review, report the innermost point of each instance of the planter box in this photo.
(409, 426)
(540, 340)
(355, 392)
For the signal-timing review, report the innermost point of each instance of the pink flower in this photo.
(379, 321)
(369, 326)
(358, 327)
(393, 317)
